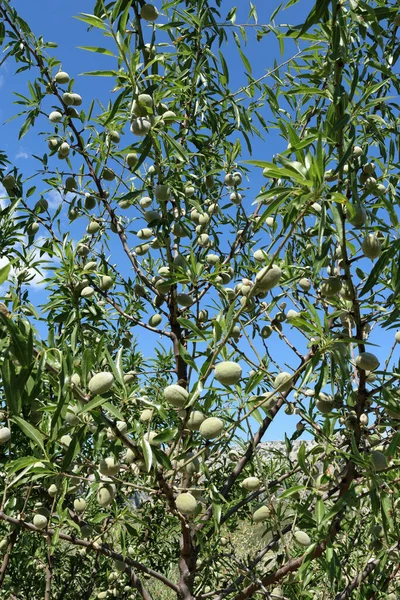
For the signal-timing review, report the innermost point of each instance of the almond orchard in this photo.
(223, 257)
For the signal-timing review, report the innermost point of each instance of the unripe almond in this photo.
(261, 514)
(161, 192)
(379, 460)
(55, 116)
(40, 521)
(5, 435)
(176, 395)
(149, 12)
(367, 361)
(371, 246)
(268, 278)
(228, 372)
(101, 383)
(283, 381)
(109, 467)
(140, 126)
(302, 538)
(79, 505)
(251, 484)
(195, 419)
(211, 428)
(105, 494)
(305, 284)
(330, 287)
(62, 77)
(186, 503)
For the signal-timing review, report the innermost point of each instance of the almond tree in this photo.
(134, 476)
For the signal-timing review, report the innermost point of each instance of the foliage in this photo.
(175, 260)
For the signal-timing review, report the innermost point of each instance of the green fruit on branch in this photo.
(140, 126)
(357, 151)
(142, 249)
(367, 361)
(65, 440)
(260, 256)
(101, 383)
(195, 419)
(146, 415)
(211, 428)
(150, 437)
(204, 240)
(53, 143)
(371, 246)
(212, 259)
(305, 284)
(40, 521)
(186, 503)
(155, 320)
(106, 282)
(52, 490)
(71, 416)
(142, 106)
(93, 227)
(176, 395)
(68, 99)
(114, 136)
(149, 12)
(77, 99)
(330, 287)
(266, 331)
(184, 300)
(251, 484)
(379, 460)
(302, 538)
(269, 402)
(203, 315)
(109, 467)
(79, 505)
(267, 278)
(108, 174)
(151, 216)
(161, 192)
(5, 435)
(75, 379)
(70, 184)
(62, 77)
(283, 382)
(359, 215)
(55, 116)
(72, 112)
(189, 191)
(236, 198)
(82, 250)
(64, 150)
(131, 159)
(228, 372)
(369, 168)
(105, 494)
(209, 181)
(33, 228)
(261, 514)
(122, 427)
(145, 202)
(90, 202)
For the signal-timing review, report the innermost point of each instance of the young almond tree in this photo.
(197, 281)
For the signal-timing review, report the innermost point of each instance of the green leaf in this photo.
(147, 454)
(103, 51)
(30, 431)
(4, 272)
(92, 20)
(293, 490)
(379, 266)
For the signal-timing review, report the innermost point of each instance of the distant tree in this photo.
(131, 476)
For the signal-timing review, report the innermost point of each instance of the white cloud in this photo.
(22, 154)
(3, 197)
(54, 198)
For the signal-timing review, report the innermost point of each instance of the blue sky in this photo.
(54, 21)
